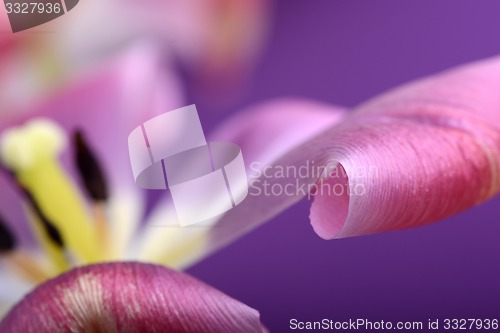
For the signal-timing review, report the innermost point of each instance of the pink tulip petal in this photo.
(132, 298)
(410, 157)
(434, 146)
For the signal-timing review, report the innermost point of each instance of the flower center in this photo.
(58, 211)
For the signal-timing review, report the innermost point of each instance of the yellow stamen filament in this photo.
(102, 226)
(32, 153)
(58, 260)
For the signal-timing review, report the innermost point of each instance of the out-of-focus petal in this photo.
(411, 157)
(228, 50)
(264, 132)
(129, 297)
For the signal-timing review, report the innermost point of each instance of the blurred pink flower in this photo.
(216, 40)
(129, 297)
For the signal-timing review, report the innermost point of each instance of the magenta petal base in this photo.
(132, 298)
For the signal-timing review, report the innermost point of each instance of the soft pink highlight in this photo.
(336, 207)
(129, 297)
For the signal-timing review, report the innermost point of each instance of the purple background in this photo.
(345, 52)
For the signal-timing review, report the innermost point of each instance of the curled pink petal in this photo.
(408, 158)
(416, 155)
(132, 298)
